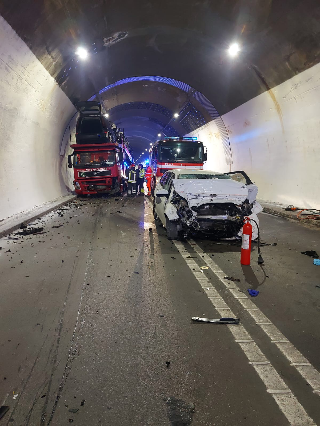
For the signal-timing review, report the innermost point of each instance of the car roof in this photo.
(194, 172)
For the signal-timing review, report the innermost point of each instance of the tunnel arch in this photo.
(190, 113)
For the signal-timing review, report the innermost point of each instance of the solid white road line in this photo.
(283, 396)
(297, 360)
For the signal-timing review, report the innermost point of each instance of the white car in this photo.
(201, 201)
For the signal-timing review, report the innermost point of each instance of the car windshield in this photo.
(91, 126)
(94, 159)
(203, 176)
(188, 152)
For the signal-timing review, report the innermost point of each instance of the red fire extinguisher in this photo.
(246, 242)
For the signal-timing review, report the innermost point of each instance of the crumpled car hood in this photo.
(201, 191)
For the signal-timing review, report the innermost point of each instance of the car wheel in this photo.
(153, 185)
(156, 217)
(172, 229)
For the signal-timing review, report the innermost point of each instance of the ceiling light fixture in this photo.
(176, 115)
(82, 53)
(159, 135)
(234, 49)
(106, 115)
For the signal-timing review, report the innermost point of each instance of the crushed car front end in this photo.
(212, 208)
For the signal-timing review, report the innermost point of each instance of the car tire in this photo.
(153, 185)
(156, 217)
(172, 230)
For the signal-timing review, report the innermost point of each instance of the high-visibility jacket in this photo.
(149, 173)
(132, 176)
(141, 173)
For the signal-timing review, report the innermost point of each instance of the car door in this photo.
(242, 177)
(160, 202)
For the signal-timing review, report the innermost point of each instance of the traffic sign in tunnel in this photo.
(96, 302)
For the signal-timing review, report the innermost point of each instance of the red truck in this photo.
(100, 154)
(175, 153)
(98, 168)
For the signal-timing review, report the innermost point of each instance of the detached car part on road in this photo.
(189, 202)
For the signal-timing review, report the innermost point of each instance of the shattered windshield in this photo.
(188, 152)
(94, 159)
(203, 176)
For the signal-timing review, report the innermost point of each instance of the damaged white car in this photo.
(204, 202)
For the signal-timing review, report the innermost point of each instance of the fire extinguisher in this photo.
(246, 242)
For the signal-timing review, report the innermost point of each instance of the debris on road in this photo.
(73, 410)
(316, 262)
(311, 253)
(232, 279)
(168, 364)
(30, 231)
(318, 286)
(57, 226)
(262, 244)
(217, 321)
(3, 410)
(82, 402)
(253, 293)
(291, 208)
(204, 267)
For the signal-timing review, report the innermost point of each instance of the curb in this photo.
(29, 219)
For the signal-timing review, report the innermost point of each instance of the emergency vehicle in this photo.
(176, 153)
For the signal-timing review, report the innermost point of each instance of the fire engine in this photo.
(100, 155)
(176, 153)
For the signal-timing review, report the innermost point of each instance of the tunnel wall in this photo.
(34, 113)
(275, 139)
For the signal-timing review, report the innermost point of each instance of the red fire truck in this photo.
(175, 153)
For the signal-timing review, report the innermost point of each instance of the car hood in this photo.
(202, 191)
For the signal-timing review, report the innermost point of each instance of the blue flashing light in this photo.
(186, 138)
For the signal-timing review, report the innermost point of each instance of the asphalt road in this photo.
(96, 324)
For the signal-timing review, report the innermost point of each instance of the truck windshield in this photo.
(177, 152)
(94, 159)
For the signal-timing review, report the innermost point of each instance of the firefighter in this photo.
(148, 179)
(132, 179)
(140, 179)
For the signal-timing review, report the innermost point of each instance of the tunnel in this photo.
(96, 303)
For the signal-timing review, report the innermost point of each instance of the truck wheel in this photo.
(172, 230)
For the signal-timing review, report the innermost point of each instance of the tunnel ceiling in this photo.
(181, 39)
(185, 40)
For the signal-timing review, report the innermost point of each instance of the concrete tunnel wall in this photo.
(34, 113)
(275, 139)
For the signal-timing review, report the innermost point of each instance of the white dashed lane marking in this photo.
(287, 402)
(296, 359)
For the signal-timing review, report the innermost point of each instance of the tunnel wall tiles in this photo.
(34, 113)
(275, 139)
